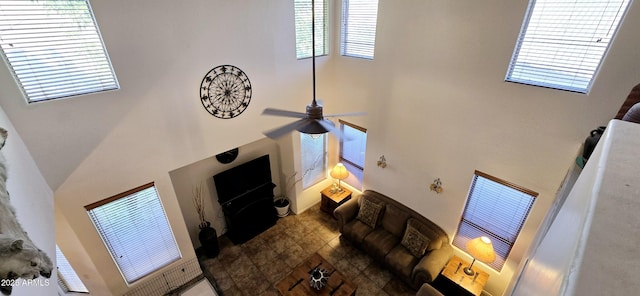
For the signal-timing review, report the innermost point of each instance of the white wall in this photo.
(436, 97)
(439, 107)
(33, 201)
(156, 123)
(590, 246)
(201, 173)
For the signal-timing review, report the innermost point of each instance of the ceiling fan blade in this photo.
(283, 113)
(283, 130)
(347, 114)
(332, 129)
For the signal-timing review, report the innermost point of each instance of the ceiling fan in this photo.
(312, 121)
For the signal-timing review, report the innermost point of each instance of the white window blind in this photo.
(67, 277)
(134, 227)
(353, 146)
(314, 160)
(562, 42)
(496, 209)
(358, 34)
(54, 49)
(302, 10)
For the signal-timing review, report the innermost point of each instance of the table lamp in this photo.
(339, 172)
(480, 248)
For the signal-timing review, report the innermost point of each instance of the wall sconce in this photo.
(382, 162)
(436, 185)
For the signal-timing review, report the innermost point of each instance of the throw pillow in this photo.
(415, 241)
(429, 232)
(369, 213)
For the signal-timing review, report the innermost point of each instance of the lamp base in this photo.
(468, 271)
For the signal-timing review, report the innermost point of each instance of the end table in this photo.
(331, 200)
(453, 280)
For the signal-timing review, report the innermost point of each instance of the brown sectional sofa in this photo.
(410, 245)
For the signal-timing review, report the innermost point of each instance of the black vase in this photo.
(209, 240)
(591, 142)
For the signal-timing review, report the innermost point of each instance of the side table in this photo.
(331, 200)
(453, 281)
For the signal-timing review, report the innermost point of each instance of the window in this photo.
(54, 49)
(353, 145)
(134, 227)
(314, 160)
(497, 209)
(562, 43)
(67, 277)
(303, 28)
(358, 35)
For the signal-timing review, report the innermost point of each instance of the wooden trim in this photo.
(362, 129)
(506, 183)
(118, 196)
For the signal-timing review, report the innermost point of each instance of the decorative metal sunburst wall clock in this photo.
(225, 91)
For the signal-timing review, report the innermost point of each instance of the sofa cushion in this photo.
(428, 290)
(379, 242)
(434, 237)
(394, 220)
(369, 212)
(356, 231)
(415, 241)
(401, 261)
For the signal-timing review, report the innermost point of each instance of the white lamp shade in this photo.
(481, 249)
(339, 172)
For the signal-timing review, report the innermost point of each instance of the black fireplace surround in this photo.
(245, 193)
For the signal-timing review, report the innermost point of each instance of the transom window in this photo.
(353, 145)
(135, 230)
(303, 27)
(496, 209)
(358, 32)
(562, 43)
(54, 49)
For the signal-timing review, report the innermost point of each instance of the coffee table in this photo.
(297, 282)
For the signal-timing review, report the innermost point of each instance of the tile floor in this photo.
(253, 268)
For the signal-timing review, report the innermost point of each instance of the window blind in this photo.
(353, 149)
(358, 34)
(134, 227)
(54, 49)
(496, 209)
(67, 277)
(562, 43)
(353, 145)
(302, 14)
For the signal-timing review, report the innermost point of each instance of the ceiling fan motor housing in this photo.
(311, 123)
(314, 111)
